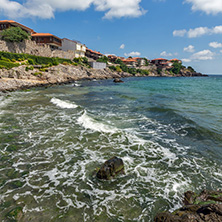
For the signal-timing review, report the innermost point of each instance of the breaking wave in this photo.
(89, 123)
(63, 104)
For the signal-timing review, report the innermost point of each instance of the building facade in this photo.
(46, 38)
(77, 47)
(98, 65)
(93, 54)
(6, 24)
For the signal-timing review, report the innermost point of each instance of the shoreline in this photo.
(19, 78)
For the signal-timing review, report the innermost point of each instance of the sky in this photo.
(190, 30)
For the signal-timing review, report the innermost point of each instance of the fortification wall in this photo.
(31, 47)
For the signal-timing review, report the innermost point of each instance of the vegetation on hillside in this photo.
(9, 60)
(14, 34)
(124, 68)
(103, 59)
(81, 61)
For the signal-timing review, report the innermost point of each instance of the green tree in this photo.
(14, 34)
(191, 68)
(176, 67)
(103, 59)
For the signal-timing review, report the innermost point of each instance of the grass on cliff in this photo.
(9, 60)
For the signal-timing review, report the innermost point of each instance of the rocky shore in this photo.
(18, 78)
(21, 78)
(203, 207)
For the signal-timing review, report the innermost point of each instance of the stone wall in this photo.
(31, 47)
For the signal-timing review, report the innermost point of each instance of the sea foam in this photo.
(63, 104)
(89, 123)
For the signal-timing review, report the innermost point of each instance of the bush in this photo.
(85, 60)
(27, 68)
(103, 59)
(31, 62)
(118, 69)
(191, 69)
(14, 34)
(113, 68)
(43, 70)
(37, 74)
(5, 59)
(8, 65)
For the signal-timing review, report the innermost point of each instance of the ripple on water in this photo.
(61, 145)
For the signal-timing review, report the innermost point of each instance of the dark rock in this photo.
(117, 80)
(111, 168)
(203, 207)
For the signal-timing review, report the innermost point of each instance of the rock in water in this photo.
(116, 80)
(203, 207)
(111, 168)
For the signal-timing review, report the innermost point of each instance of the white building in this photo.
(98, 65)
(77, 47)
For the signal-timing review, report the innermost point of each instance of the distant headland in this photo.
(28, 59)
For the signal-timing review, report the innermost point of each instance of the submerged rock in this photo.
(204, 207)
(116, 80)
(111, 168)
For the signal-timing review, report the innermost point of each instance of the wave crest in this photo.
(63, 104)
(90, 123)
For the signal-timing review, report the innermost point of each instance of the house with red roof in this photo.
(159, 61)
(130, 62)
(176, 60)
(93, 54)
(112, 58)
(46, 38)
(6, 24)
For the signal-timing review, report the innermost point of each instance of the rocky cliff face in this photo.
(19, 78)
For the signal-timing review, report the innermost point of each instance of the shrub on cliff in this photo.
(8, 65)
(103, 59)
(14, 34)
(113, 68)
(191, 69)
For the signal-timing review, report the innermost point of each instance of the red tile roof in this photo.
(44, 35)
(13, 22)
(95, 52)
(175, 60)
(159, 59)
(129, 60)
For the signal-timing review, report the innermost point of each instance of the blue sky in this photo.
(189, 30)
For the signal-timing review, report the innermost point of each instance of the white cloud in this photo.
(186, 60)
(208, 6)
(164, 53)
(122, 46)
(46, 8)
(215, 45)
(132, 54)
(220, 51)
(203, 55)
(189, 48)
(179, 33)
(197, 32)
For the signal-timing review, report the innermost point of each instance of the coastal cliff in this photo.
(21, 78)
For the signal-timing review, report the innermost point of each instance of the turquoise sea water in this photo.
(168, 131)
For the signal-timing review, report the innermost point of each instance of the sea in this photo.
(168, 132)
